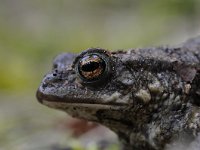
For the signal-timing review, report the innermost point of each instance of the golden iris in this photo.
(91, 67)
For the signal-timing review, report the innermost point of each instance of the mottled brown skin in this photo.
(147, 96)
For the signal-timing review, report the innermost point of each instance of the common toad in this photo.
(147, 96)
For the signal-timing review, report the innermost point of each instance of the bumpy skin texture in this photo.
(148, 97)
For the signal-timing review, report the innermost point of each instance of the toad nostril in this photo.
(54, 74)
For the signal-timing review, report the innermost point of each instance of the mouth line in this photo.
(64, 106)
(42, 98)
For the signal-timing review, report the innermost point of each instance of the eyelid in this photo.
(99, 51)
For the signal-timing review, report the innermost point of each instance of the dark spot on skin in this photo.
(195, 91)
(123, 136)
(54, 74)
(55, 66)
(196, 98)
(44, 85)
(176, 107)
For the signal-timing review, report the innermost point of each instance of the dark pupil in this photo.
(90, 66)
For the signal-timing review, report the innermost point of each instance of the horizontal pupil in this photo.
(90, 66)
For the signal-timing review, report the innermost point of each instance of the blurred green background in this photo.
(32, 33)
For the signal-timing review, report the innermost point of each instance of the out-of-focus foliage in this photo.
(33, 32)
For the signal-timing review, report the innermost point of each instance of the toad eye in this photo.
(94, 67)
(91, 67)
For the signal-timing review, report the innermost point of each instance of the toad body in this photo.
(147, 96)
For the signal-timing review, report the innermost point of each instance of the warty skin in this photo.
(149, 97)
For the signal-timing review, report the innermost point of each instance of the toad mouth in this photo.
(56, 101)
(62, 105)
